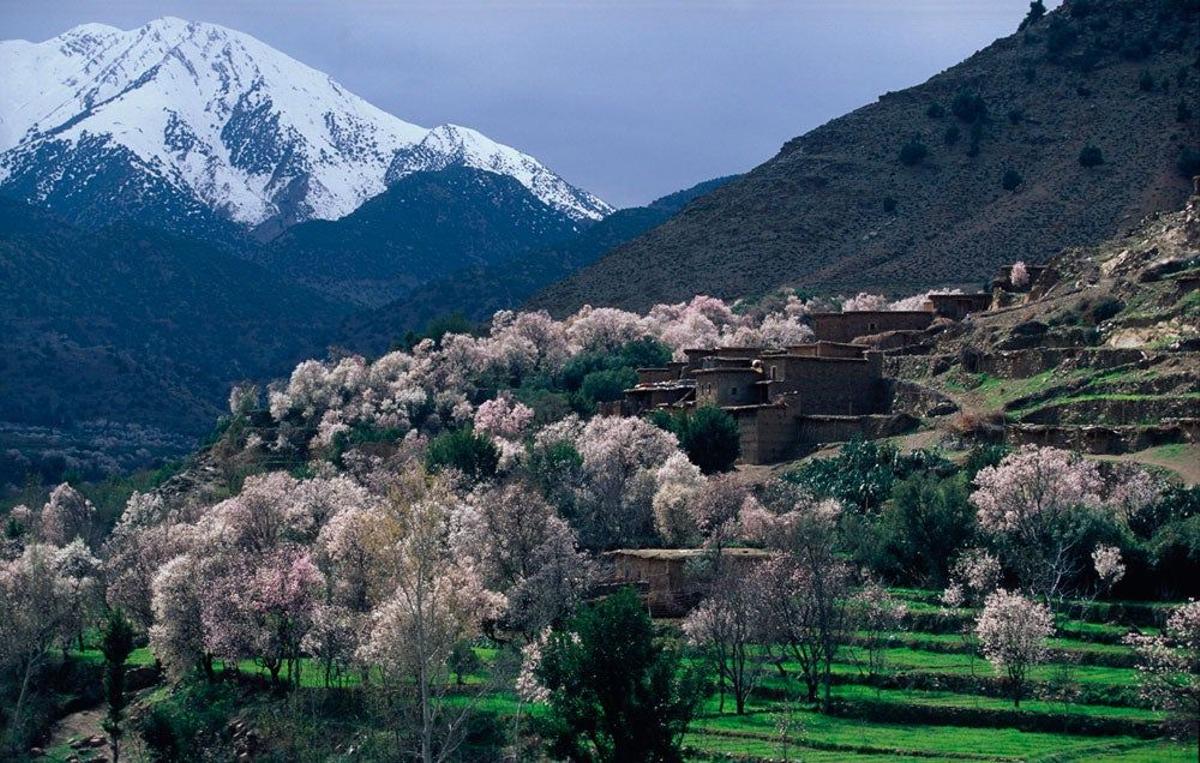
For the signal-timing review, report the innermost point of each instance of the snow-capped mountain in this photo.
(200, 119)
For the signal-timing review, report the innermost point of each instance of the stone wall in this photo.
(816, 430)
(1104, 439)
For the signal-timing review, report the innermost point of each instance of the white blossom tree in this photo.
(1013, 632)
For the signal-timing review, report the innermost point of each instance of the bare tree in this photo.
(728, 627)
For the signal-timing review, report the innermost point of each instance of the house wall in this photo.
(959, 306)
(767, 433)
(728, 386)
(846, 327)
(841, 386)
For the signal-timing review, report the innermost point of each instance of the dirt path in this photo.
(1184, 460)
(83, 725)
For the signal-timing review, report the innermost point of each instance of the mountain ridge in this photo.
(839, 209)
(215, 119)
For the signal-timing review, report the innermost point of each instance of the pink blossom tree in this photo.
(67, 516)
(437, 603)
(1034, 501)
(728, 628)
(37, 603)
(1013, 632)
(511, 537)
(620, 458)
(1169, 668)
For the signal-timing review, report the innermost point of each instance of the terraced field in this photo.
(935, 699)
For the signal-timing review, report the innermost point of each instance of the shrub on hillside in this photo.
(1189, 162)
(969, 106)
(935, 111)
(889, 204)
(951, 135)
(1183, 112)
(913, 152)
(1146, 82)
(1060, 36)
(1011, 180)
(1091, 156)
(1016, 115)
(1037, 9)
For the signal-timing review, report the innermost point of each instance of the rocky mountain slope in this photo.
(196, 127)
(938, 184)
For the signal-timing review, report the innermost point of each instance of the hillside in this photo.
(838, 209)
(424, 226)
(478, 292)
(133, 327)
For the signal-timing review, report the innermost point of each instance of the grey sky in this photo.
(630, 99)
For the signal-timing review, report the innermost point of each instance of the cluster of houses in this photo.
(785, 400)
(829, 390)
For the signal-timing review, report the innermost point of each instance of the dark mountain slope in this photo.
(1109, 73)
(478, 292)
(424, 226)
(135, 326)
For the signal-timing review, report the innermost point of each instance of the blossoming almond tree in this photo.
(1013, 632)
(1169, 669)
(1037, 501)
(437, 603)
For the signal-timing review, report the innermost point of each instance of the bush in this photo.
(1146, 82)
(889, 204)
(926, 519)
(1091, 156)
(935, 111)
(1189, 162)
(1012, 179)
(1060, 36)
(1037, 9)
(969, 106)
(708, 435)
(951, 136)
(473, 455)
(913, 153)
(612, 681)
(1016, 115)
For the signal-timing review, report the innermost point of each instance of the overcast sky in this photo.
(630, 99)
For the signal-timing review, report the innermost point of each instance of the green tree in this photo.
(708, 435)
(926, 518)
(473, 455)
(617, 693)
(116, 646)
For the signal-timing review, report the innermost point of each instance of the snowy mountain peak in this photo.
(219, 120)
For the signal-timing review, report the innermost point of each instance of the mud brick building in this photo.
(846, 327)
(667, 578)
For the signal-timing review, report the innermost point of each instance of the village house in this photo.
(783, 400)
(668, 579)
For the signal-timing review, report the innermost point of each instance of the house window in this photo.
(872, 326)
(733, 391)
